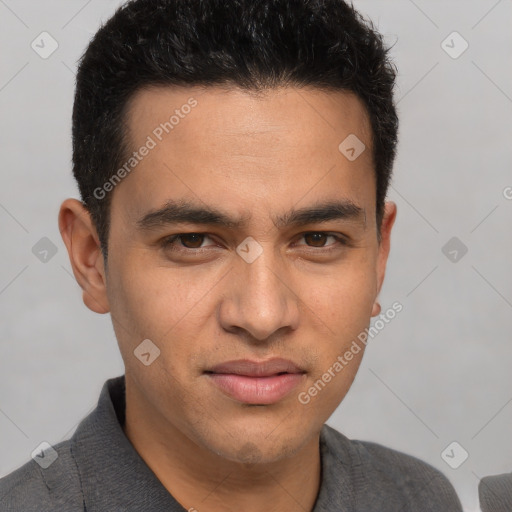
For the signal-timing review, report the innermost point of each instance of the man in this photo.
(233, 160)
(496, 493)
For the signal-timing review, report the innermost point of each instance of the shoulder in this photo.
(404, 471)
(495, 493)
(400, 479)
(35, 488)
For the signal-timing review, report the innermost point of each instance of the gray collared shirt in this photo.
(99, 470)
(496, 493)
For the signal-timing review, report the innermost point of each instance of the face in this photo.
(286, 264)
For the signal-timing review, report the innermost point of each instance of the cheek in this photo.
(340, 310)
(172, 308)
(152, 299)
(343, 300)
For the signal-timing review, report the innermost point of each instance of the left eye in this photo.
(318, 239)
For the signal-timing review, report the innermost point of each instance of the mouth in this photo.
(256, 382)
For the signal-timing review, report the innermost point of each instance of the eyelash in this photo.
(170, 242)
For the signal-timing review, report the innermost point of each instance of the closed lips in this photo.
(251, 368)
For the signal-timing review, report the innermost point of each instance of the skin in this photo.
(254, 157)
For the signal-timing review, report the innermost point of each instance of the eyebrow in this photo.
(176, 212)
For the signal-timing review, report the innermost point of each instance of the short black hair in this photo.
(255, 45)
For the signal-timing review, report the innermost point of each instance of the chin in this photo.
(251, 448)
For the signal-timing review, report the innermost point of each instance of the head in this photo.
(266, 132)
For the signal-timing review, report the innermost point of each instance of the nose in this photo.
(260, 298)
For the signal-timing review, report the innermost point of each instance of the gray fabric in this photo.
(496, 493)
(98, 470)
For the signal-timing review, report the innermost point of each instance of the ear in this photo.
(82, 242)
(388, 220)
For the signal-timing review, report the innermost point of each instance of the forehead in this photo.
(233, 112)
(252, 150)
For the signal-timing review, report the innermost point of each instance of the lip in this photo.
(251, 368)
(256, 382)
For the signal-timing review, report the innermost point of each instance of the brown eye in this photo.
(184, 241)
(192, 240)
(323, 240)
(316, 239)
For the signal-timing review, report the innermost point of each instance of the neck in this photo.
(203, 481)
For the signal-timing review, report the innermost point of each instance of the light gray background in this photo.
(439, 372)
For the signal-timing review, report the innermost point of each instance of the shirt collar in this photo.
(115, 477)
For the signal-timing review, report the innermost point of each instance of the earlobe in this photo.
(81, 240)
